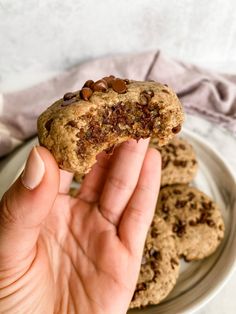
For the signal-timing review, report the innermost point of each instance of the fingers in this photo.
(122, 178)
(138, 215)
(93, 183)
(65, 181)
(26, 204)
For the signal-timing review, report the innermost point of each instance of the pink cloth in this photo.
(202, 92)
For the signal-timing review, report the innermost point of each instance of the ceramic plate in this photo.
(198, 281)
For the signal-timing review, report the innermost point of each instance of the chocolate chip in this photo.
(203, 218)
(193, 206)
(179, 228)
(69, 96)
(154, 232)
(176, 129)
(221, 227)
(182, 146)
(156, 254)
(164, 197)
(109, 79)
(180, 163)
(88, 83)
(192, 223)
(68, 102)
(119, 86)
(72, 123)
(165, 162)
(174, 262)
(180, 203)
(207, 206)
(210, 223)
(194, 161)
(141, 286)
(126, 81)
(176, 191)
(100, 86)
(48, 125)
(165, 91)
(80, 134)
(144, 99)
(165, 209)
(154, 265)
(86, 93)
(191, 196)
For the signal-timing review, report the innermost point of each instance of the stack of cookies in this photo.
(187, 224)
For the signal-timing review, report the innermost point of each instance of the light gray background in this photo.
(39, 38)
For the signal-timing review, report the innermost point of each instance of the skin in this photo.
(78, 255)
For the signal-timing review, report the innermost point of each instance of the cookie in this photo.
(78, 177)
(160, 266)
(179, 163)
(194, 218)
(105, 113)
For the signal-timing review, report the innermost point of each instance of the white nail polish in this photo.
(34, 170)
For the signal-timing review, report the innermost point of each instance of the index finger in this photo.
(139, 212)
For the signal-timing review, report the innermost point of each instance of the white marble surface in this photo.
(39, 38)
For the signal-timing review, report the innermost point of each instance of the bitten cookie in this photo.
(179, 163)
(105, 113)
(160, 266)
(194, 218)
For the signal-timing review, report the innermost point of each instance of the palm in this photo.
(88, 251)
(85, 248)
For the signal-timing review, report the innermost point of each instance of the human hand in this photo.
(77, 255)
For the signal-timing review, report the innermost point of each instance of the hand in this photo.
(76, 255)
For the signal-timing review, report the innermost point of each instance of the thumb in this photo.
(26, 204)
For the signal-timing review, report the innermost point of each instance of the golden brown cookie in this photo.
(160, 266)
(194, 218)
(105, 113)
(179, 163)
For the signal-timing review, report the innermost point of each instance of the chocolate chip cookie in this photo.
(105, 113)
(160, 266)
(194, 218)
(179, 163)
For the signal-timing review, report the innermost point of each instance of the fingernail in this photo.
(34, 170)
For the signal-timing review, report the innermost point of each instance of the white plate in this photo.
(198, 281)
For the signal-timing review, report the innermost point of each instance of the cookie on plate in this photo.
(179, 163)
(104, 114)
(160, 266)
(194, 218)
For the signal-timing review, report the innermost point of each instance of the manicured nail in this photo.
(34, 170)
